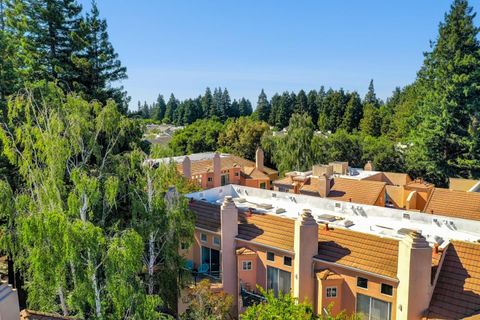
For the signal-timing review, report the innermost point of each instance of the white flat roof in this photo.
(381, 221)
(193, 157)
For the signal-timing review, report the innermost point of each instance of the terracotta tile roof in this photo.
(207, 215)
(396, 179)
(261, 228)
(359, 250)
(462, 184)
(328, 274)
(284, 181)
(360, 191)
(457, 292)
(227, 162)
(267, 229)
(254, 173)
(37, 315)
(245, 251)
(452, 203)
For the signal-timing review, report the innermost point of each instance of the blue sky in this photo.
(246, 45)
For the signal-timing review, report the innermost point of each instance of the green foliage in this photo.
(203, 303)
(263, 107)
(242, 136)
(282, 307)
(200, 136)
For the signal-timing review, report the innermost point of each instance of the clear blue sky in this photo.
(246, 45)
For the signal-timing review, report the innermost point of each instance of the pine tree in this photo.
(245, 107)
(446, 141)
(371, 96)
(301, 103)
(226, 109)
(263, 107)
(97, 62)
(312, 106)
(158, 112)
(353, 113)
(208, 105)
(171, 109)
(235, 109)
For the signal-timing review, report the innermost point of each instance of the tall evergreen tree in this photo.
(301, 103)
(97, 62)
(208, 105)
(263, 107)
(371, 96)
(226, 105)
(171, 109)
(445, 144)
(353, 113)
(158, 112)
(245, 107)
(312, 106)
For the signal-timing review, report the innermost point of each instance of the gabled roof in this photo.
(452, 203)
(359, 250)
(327, 274)
(396, 179)
(358, 191)
(267, 229)
(457, 292)
(254, 173)
(460, 184)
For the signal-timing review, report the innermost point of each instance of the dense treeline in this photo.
(209, 105)
(430, 128)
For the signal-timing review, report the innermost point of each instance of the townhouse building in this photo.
(383, 263)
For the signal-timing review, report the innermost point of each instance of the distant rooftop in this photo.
(380, 221)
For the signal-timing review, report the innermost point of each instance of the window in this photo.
(278, 280)
(184, 246)
(203, 237)
(237, 174)
(371, 308)
(332, 292)
(211, 258)
(362, 282)
(247, 265)
(338, 205)
(270, 256)
(287, 261)
(216, 241)
(387, 289)
(210, 179)
(224, 179)
(263, 185)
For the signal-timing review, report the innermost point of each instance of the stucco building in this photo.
(381, 262)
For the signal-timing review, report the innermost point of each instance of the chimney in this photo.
(217, 168)
(413, 272)
(296, 187)
(305, 247)
(187, 167)
(229, 230)
(368, 166)
(324, 186)
(259, 159)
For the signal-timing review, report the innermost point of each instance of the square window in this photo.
(332, 292)
(216, 241)
(237, 174)
(210, 179)
(287, 261)
(246, 265)
(387, 289)
(270, 256)
(203, 237)
(184, 246)
(263, 185)
(362, 283)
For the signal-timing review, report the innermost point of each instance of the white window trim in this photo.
(326, 292)
(219, 241)
(245, 262)
(206, 237)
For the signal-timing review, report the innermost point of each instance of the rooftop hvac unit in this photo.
(241, 200)
(279, 210)
(265, 205)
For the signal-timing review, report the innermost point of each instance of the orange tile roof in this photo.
(460, 184)
(245, 251)
(254, 173)
(359, 250)
(396, 179)
(285, 181)
(328, 274)
(457, 292)
(227, 162)
(452, 203)
(267, 229)
(359, 191)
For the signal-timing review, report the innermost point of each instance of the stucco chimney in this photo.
(187, 167)
(413, 272)
(217, 168)
(229, 230)
(324, 186)
(305, 247)
(259, 159)
(368, 166)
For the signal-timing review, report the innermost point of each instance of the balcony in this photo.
(250, 297)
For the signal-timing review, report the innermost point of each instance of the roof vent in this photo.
(265, 205)
(241, 200)
(274, 195)
(279, 210)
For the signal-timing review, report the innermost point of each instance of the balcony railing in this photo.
(249, 297)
